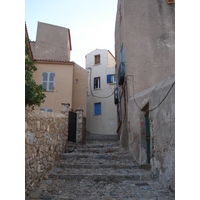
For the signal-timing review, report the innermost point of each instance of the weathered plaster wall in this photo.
(52, 42)
(79, 98)
(162, 130)
(45, 139)
(63, 86)
(146, 29)
(106, 123)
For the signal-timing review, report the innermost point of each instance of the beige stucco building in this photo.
(64, 80)
(145, 64)
(101, 110)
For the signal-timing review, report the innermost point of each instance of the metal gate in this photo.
(72, 127)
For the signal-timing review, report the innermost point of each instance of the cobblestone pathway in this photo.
(98, 170)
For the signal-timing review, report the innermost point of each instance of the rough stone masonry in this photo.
(45, 139)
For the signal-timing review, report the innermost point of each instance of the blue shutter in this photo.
(94, 83)
(122, 54)
(108, 78)
(97, 109)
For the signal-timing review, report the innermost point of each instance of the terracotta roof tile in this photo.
(50, 60)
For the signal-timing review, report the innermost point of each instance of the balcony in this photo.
(121, 73)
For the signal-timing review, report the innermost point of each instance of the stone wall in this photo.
(45, 139)
(81, 126)
(162, 130)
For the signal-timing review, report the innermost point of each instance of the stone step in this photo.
(100, 137)
(86, 189)
(95, 161)
(94, 150)
(107, 156)
(101, 174)
(94, 144)
(98, 166)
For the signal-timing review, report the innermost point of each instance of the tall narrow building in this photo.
(101, 109)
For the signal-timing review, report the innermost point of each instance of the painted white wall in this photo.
(106, 123)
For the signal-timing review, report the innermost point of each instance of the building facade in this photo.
(101, 110)
(63, 80)
(145, 60)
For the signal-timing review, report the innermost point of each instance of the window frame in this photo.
(46, 109)
(111, 80)
(97, 59)
(48, 81)
(98, 84)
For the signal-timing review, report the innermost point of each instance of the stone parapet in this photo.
(45, 139)
(65, 108)
(81, 126)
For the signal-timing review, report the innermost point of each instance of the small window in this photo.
(48, 79)
(97, 109)
(46, 109)
(97, 83)
(97, 59)
(170, 1)
(111, 78)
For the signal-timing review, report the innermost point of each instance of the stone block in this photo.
(38, 170)
(38, 125)
(31, 138)
(26, 126)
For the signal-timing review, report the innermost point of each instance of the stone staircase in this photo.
(98, 170)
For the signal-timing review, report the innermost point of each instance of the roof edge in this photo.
(46, 61)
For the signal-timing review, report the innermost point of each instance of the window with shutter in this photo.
(97, 109)
(111, 78)
(48, 79)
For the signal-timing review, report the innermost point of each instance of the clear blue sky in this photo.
(91, 23)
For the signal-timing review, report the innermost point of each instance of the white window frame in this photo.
(98, 79)
(112, 78)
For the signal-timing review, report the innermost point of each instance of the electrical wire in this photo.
(92, 91)
(163, 98)
(160, 101)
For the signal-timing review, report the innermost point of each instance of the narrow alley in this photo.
(98, 170)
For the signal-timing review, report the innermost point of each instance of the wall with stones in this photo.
(81, 126)
(45, 139)
(162, 130)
